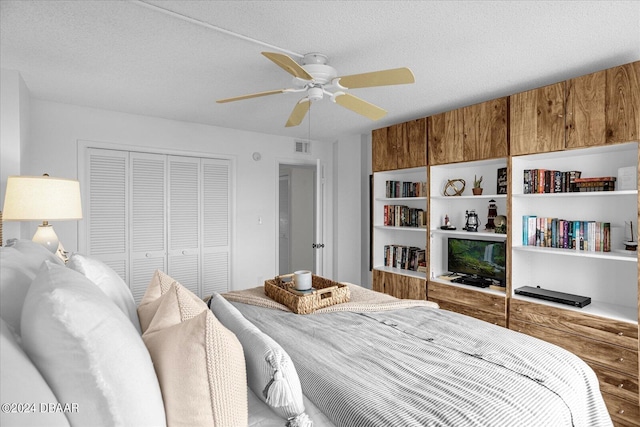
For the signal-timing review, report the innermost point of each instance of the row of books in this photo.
(404, 216)
(549, 181)
(404, 257)
(594, 236)
(406, 189)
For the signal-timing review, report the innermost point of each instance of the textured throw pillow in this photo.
(20, 261)
(23, 388)
(159, 285)
(271, 374)
(109, 282)
(199, 363)
(89, 352)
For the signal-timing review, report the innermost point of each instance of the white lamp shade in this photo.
(41, 198)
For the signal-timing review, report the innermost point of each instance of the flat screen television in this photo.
(481, 259)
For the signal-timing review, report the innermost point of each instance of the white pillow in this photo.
(271, 374)
(20, 261)
(21, 384)
(89, 352)
(199, 363)
(109, 281)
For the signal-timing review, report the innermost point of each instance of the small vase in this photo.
(476, 191)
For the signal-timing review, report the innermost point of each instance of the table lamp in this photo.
(42, 198)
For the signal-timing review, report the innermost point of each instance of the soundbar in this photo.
(472, 281)
(548, 295)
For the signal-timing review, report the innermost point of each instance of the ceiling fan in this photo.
(316, 78)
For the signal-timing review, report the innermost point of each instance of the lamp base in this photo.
(47, 237)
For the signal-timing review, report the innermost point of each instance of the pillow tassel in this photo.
(301, 420)
(276, 392)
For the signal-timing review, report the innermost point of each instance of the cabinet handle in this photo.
(560, 115)
(621, 411)
(184, 252)
(621, 386)
(621, 359)
(519, 309)
(147, 255)
(620, 334)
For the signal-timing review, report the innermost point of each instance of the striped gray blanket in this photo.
(422, 366)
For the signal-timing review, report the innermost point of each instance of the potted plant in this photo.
(477, 189)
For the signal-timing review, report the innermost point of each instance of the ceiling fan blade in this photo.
(251, 95)
(289, 65)
(360, 106)
(396, 76)
(298, 113)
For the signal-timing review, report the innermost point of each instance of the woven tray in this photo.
(324, 293)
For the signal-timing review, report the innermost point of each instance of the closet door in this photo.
(184, 222)
(216, 225)
(148, 213)
(105, 227)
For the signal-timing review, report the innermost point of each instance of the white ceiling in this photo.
(121, 55)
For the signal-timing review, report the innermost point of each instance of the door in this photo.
(300, 233)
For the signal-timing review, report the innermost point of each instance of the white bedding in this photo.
(260, 415)
(429, 367)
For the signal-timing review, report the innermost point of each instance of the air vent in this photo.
(303, 147)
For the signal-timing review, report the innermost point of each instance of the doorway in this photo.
(297, 218)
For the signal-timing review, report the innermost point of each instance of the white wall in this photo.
(14, 135)
(57, 128)
(347, 233)
(43, 137)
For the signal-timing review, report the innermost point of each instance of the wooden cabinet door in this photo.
(445, 139)
(585, 105)
(622, 103)
(537, 120)
(485, 130)
(399, 285)
(383, 151)
(412, 146)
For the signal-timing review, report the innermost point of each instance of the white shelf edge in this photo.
(473, 288)
(391, 199)
(387, 227)
(596, 308)
(495, 236)
(579, 194)
(481, 196)
(615, 256)
(410, 273)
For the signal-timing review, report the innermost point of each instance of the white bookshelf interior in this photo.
(393, 235)
(610, 279)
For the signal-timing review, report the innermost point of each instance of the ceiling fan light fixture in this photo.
(315, 93)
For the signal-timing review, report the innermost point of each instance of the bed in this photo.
(381, 361)
(76, 350)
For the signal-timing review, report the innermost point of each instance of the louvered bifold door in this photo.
(148, 219)
(105, 200)
(216, 225)
(184, 222)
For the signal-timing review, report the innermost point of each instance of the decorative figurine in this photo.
(493, 212)
(454, 187)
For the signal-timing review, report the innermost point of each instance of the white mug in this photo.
(302, 280)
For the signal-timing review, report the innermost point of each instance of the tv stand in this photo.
(478, 282)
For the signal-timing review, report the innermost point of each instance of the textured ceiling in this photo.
(121, 55)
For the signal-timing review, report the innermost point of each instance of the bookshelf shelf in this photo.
(409, 273)
(596, 308)
(391, 228)
(617, 255)
(461, 233)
